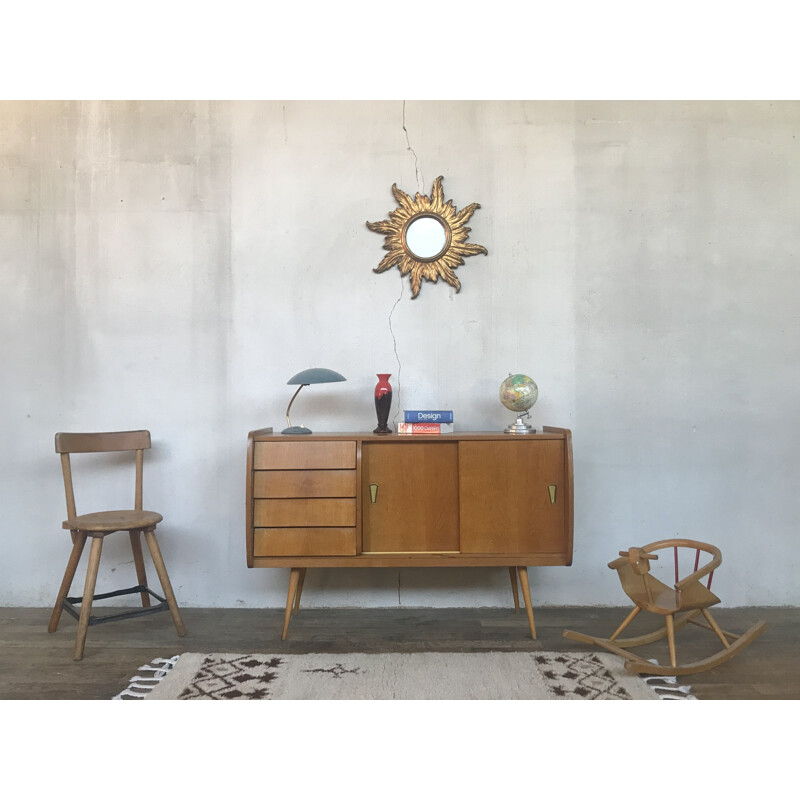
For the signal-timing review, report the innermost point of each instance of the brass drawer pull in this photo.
(373, 492)
(552, 489)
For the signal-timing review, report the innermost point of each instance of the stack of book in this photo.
(425, 423)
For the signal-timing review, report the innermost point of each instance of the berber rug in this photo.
(395, 676)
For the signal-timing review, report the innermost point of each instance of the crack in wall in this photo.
(400, 297)
(402, 286)
(412, 151)
(396, 354)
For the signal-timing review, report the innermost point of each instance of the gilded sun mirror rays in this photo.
(426, 237)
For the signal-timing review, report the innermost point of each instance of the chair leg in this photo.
(627, 621)
(299, 590)
(141, 574)
(88, 596)
(294, 579)
(512, 571)
(713, 623)
(79, 540)
(673, 660)
(161, 570)
(526, 595)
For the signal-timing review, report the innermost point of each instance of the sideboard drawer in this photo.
(304, 542)
(304, 483)
(326, 512)
(304, 455)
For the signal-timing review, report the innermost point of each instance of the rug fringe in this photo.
(160, 668)
(666, 686)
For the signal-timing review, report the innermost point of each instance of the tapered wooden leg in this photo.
(512, 571)
(526, 595)
(294, 579)
(627, 621)
(161, 571)
(88, 596)
(299, 591)
(671, 640)
(713, 623)
(141, 575)
(78, 542)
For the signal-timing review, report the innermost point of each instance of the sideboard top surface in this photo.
(394, 438)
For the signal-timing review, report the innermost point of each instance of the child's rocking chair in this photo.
(680, 605)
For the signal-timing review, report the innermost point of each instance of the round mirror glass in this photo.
(426, 237)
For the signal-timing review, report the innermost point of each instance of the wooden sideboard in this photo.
(455, 500)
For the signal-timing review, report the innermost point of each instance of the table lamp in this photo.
(305, 378)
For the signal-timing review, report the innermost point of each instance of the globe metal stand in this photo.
(520, 427)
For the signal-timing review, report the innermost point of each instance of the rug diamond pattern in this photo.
(582, 676)
(237, 678)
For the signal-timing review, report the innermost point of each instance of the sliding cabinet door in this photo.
(409, 497)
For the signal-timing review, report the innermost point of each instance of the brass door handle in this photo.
(373, 492)
(552, 489)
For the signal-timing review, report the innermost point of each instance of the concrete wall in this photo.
(170, 265)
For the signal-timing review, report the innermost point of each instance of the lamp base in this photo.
(296, 429)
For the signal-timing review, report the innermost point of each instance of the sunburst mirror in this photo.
(426, 237)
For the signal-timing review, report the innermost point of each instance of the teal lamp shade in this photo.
(306, 378)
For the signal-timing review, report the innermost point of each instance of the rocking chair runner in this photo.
(680, 605)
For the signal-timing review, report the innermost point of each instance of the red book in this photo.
(424, 428)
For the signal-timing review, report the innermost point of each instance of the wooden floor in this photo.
(38, 665)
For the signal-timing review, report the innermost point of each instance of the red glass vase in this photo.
(383, 403)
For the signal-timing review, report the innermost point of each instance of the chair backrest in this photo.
(103, 442)
(690, 544)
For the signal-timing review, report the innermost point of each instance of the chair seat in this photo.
(668, 601)
(663, 602)
(111, 521)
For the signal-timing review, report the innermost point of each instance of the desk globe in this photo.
(518, 393)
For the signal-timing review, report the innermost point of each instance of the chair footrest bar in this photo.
(68, 603)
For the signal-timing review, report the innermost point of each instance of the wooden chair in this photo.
(100, 524)
(680, 605)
